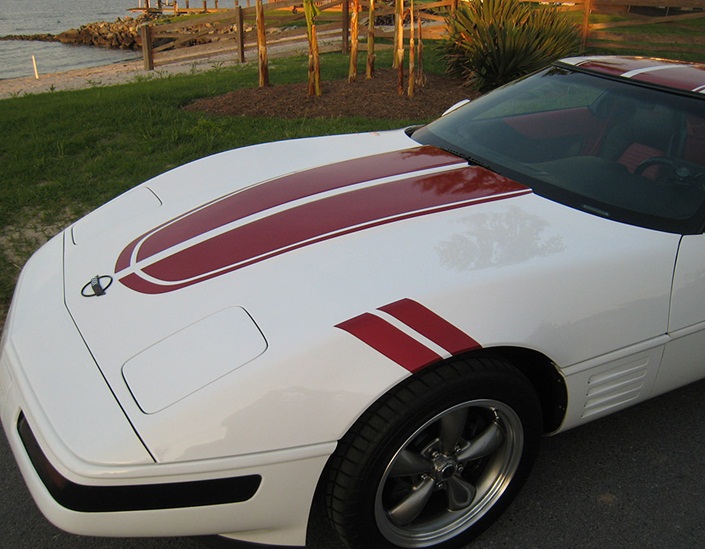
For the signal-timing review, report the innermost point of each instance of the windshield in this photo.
(611, 148)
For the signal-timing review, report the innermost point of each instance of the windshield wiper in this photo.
(471, 160)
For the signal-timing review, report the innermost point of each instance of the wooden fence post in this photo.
(147, 53)
(587, 8)
(346, 26)
(240, 33)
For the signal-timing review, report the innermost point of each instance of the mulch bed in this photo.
(375, 98)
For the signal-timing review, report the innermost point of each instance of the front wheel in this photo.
(437, 459)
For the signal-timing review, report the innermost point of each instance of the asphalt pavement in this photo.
(633, 479)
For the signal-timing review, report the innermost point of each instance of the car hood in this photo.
(143, 252)
(263, 251)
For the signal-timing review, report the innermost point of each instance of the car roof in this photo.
(676, 75)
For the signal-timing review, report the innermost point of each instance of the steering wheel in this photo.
(680, 173)
(653, 161)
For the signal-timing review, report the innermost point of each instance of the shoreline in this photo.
(112, 74)
(124, 72)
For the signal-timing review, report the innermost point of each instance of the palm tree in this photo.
(314, 63)
(495, 41)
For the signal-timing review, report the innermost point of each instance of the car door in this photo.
(684, 356)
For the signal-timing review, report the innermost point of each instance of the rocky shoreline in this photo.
(124, 34)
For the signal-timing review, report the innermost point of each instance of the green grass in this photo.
(677, 30)
(65, 153)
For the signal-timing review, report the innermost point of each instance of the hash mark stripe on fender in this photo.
(390, 341)
(411, 350)
(431, 326)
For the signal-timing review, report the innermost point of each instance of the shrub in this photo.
(492, 42)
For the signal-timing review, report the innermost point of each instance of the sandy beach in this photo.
(105, 75)
(132, 71)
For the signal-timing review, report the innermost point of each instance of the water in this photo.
(55, 16)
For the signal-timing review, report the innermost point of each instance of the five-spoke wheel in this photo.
(437, 459)
(452, 469)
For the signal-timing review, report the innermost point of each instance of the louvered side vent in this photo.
(615, 387)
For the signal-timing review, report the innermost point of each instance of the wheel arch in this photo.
(544, 376)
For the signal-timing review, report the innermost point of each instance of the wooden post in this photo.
(370, 69)
(187, 5)
(176, 8)
(205, 6)
(263, 64)
(240, 33)
(216, 4)
(346, 26)
(585, 31)
(147, 53)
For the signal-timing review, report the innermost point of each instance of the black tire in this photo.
(437, 459)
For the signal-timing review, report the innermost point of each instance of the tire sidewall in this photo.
(506, 386)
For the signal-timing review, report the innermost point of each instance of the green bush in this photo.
(492, 42)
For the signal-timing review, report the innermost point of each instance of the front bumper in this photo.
(87, 468)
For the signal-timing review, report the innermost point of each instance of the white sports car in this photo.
(395, 318)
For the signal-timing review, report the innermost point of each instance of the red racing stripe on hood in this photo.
(280, 191)
(346, 207)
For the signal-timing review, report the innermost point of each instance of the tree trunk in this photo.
(262, 47)
(370, 70)
(314, 65)
(398, 32)
(354, 42)
(420, 76)
(412, 53)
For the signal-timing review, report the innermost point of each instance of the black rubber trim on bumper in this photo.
(137, 497)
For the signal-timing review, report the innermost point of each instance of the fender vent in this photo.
(615, 387)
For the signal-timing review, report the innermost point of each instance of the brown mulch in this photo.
(375, 98)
